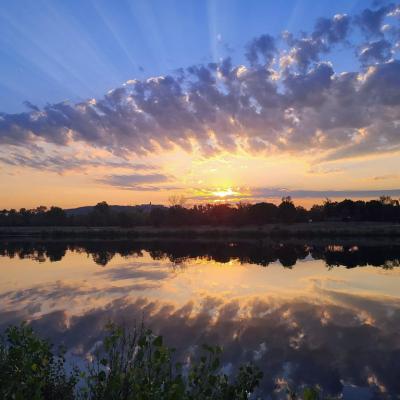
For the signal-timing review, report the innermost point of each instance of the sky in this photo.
(138, 101)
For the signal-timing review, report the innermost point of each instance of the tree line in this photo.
(384, 209)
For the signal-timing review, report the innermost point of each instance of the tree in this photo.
(101, 214)
(287, 210)
(56, 216)
(30, 370)
(262, 213)
(102, 208)
(177, 200)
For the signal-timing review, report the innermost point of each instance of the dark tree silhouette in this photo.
(287, 210)
(263, 213)
(385, 209)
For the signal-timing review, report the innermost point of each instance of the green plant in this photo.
(137, 365)
(30, 370)
(130, 365)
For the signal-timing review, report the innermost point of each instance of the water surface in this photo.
(325, 313)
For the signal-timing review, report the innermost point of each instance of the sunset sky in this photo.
(136, 101)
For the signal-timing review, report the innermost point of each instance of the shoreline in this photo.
(316, 229)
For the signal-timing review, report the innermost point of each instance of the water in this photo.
(325, 313)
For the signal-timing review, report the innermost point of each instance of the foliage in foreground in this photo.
(128, 366)
(30, 369)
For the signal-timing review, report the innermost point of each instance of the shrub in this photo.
(128, 366)
(30, 370)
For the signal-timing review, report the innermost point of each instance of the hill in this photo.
(84, 210)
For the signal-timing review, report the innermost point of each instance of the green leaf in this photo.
(102, 376)
(310, 394)
(158, 341)
(104, 362)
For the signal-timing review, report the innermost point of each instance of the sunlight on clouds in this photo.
(282, 118)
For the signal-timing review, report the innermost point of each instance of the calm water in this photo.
(324, 313)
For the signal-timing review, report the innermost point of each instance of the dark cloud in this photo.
(31, 106)
(262, 49)
(134, 179)
(375, 52)
(333, 30)
(305, 51)
(327, 32)
(308, 90)
(59, 162)
(299, 106)
(382, 85)
(134, 271)
(371, 21)
(140, 182)
(65, 292)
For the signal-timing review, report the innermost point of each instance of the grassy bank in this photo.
(318, 229)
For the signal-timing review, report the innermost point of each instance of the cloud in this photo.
(385, 177)
(140, 182)
(308, 48)
(325, 193)
(299, 105)
(134, 272)
(60, 162)
(309, 90)
(262, 193)
(262, 47)
(333, 30)
(378, 51)
(371, 21)
(131, 180)
(67, 292)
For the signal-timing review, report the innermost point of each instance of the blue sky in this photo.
(57, 50)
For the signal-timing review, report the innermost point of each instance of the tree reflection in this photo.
(258, 252)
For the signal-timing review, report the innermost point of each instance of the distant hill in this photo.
(144, 208)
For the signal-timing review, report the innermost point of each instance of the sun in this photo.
(224, 193)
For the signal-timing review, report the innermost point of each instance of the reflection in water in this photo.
(335, 327)
(255, 252)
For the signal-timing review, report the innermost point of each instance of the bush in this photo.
(129, 366)
(30, 370)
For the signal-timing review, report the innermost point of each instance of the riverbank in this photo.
(317, 229)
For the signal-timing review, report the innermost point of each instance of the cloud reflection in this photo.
(348, 340)
(309, 325)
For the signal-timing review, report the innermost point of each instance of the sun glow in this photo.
(225, 193)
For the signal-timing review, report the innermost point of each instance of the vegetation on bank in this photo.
(127, 366)
(384, 209)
